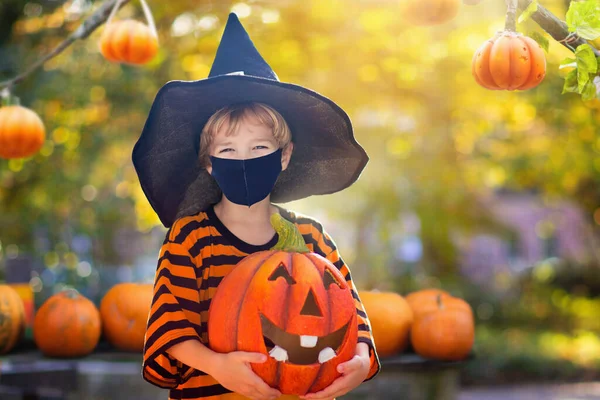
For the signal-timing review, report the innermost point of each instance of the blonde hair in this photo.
(233, 115)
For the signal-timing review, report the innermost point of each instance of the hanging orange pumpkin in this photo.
(446, 332)
(67, 325)
(509, 61)
(429, 12)
(12, 318)
(128, 41)
(124, 311)
(391, 318)
(22, 132)
(291, 304)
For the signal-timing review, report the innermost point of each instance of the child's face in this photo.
(251, 141)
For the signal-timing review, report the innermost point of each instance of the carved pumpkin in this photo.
(22, 132)
(128, 41)
(429, 12)
(446, 332)
(124, 311)
(424, 300)
(237, 396)
(292, 305)
(67, 325)
(12, 318)
(391, 318)
(509, 61)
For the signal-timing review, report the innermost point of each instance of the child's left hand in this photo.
(354, 372)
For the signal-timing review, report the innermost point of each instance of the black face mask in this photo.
(246, 182)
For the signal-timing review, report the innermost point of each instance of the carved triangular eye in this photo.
(328, 279)
(282, 272)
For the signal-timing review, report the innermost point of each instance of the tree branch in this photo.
(555, 27)
(510, 23)
(545, 19)
(85, 29)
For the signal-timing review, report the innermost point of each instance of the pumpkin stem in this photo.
(71, 293)
(439, 302)
(8, 99)
(290, 238)
(510, 23)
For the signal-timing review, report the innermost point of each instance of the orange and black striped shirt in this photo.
(197, 253)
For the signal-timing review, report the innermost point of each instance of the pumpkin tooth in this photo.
(278, 353)
(326, 354)
(308, 341)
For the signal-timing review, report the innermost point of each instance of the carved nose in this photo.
(310, 306)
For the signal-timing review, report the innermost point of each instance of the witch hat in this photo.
(326, 157)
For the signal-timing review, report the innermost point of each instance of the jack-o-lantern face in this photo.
(297, 308)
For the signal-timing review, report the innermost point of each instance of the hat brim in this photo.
(326, 157)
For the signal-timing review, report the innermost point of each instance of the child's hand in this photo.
(354, 372)
(233, 371)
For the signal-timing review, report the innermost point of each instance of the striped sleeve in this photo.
(174, 314)
(326, 245)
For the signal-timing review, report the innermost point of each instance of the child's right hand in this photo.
(233, 371)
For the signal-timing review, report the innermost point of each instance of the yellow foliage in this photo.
(496, 176)
(55, 20)
(97, 93)
(60, 135)
(380, 19)
(145, 216)
(15, 164)
(71, 260)
(399, 147)
(582, 348)
(51, 259)
(368, 73)
(327, 11)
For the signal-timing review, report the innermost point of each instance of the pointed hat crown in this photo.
(326, 158)
(237, 55)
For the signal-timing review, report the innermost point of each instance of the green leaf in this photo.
(582, 79)
(589, 33)
(567, 65)
(589, 91)
(586, 65)
(525, 15)
(568, 62)
(583, 17)
(570, 85)
(541, 39)
(586, 58)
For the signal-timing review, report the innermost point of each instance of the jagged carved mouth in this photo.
(300, 349)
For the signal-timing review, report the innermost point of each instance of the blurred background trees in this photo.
(493, 195)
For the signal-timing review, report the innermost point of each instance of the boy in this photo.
(214, 192)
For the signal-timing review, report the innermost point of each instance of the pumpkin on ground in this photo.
(67, 325)
(424, 300)
(446, 332)
(22, 132)
(391, 318)
(124, 311)
(292, 305)
(509, 61)
(429, 12)
(128, 41)
(12, 318)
